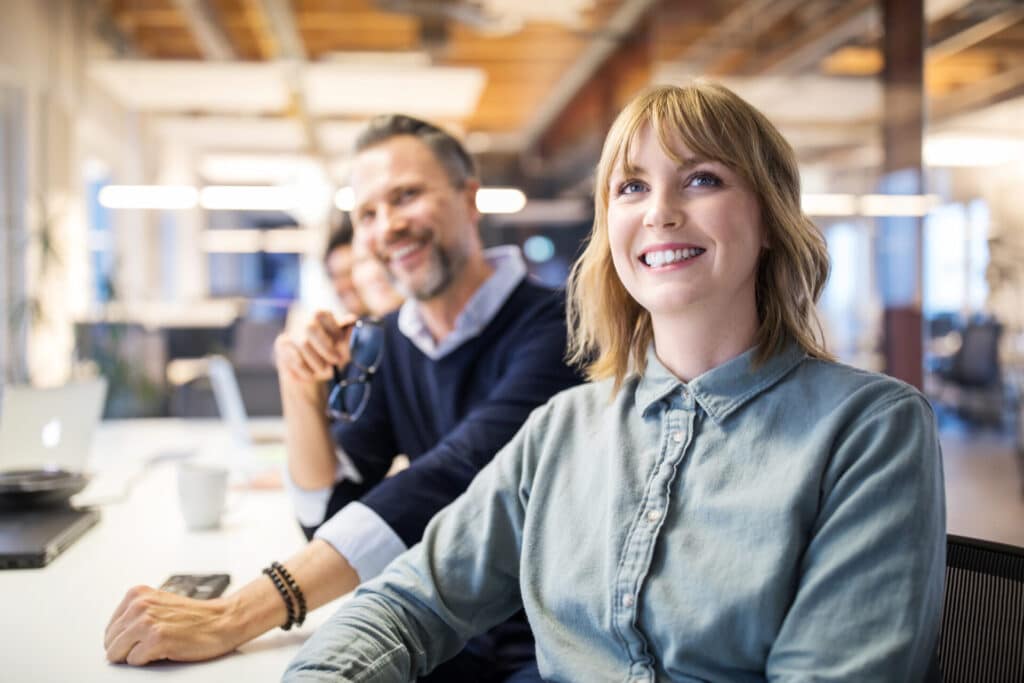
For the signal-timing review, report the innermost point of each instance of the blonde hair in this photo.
(609, 332)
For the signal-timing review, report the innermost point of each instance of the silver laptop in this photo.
(43, 429)
(259, 453)
(231, 407)
(50, 428)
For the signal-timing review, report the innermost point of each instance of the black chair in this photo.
(971, 379)
(982, 635)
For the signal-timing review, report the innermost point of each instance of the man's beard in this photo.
(442, 268)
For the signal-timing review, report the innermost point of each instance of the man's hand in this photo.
(150, 625)
(323, 345)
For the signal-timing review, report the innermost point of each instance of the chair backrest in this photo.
(982, 633)
(977, 362)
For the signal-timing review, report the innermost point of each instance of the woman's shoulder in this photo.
(833, 382)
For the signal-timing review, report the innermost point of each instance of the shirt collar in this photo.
(509, 271)
(721, 390)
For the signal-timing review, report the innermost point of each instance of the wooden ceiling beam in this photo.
(976, 34)
(737, 29)
(853, 20)
(1002, 86)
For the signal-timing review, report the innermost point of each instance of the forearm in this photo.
(311, 457)
(320, 572)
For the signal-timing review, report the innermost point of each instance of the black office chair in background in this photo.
(971, 379)
(982, 635)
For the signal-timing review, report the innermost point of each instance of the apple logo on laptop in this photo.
(51, 433)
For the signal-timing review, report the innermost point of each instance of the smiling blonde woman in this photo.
(723, 502)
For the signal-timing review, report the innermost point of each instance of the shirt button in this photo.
(627, 600)
(653, 515)
(684, 392)
(677, 436)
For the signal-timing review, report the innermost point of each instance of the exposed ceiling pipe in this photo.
(213, 44)
(290, 49)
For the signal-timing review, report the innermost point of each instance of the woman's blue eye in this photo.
(705, 180)
(631, 186)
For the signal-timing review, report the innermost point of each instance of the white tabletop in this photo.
(52, 622)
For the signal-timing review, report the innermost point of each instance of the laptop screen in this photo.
(50, 427)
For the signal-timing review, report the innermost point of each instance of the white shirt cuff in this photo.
(363, 538)
(311, 504)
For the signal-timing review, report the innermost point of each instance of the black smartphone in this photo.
(198, 586)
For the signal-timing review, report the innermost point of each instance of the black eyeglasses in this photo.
(351, 391)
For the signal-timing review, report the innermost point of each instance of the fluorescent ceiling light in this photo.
(229, 87)
(897, 204)
(148, 197)
(971, 150)
(500, 200)
(363, 90)
(248, 198)
(488, 199)
(225, 133)
(829, 204)
(412, 58)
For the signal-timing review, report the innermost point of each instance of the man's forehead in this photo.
(392, 162)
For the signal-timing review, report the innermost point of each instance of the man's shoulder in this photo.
(532, 303)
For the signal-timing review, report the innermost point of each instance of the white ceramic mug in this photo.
(202, 491)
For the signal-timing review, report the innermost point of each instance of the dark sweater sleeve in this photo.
(535, 372)
(369, 444)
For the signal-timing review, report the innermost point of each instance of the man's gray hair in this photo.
(448, 151)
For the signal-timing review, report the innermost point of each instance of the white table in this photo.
(52, 619)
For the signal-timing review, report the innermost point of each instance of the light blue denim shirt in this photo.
(784, 522)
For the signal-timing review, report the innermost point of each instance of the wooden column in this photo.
(900, 238)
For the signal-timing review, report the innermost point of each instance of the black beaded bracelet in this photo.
(296, 591)
(285, 595)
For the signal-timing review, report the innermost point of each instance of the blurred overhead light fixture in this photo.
(971, 150)
(500, 200)
(488, 199)
(148, 197)
(247, 197)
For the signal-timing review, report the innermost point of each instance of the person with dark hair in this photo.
(338, 262)
(447, 380)
(357, 278)
(723, 502)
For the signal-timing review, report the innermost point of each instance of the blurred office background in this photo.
(169, 170)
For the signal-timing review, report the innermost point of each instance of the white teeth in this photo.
(402, 252)
(654, 259)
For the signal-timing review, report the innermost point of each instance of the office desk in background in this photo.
(53, 618)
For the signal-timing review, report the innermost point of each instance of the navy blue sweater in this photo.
(452, 415)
